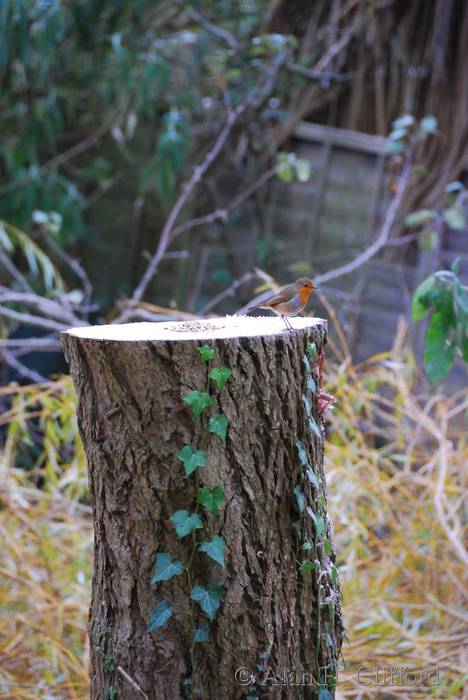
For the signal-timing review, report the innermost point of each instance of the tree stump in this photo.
(214, 571)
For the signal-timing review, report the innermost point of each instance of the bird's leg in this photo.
(287, 323)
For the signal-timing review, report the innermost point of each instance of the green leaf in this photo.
(206, 353)
(418, 219)
(311, 385)
(299, 498)
(220, 376)
(211, 499)
(334, 574)
(185, 522)
(307, 404)
(215, 549)
(307, 546)
(166, 568)
(302, 453)
(209, 598)
(455, 218)
(311, 350)
(198, 401)
(160, 615)
(428, 124)
(219, 425)
(319, 522)
(191, 458)
(419, 305)
(439, 357)
(327, 546)
(306, 362)
(112, 692)
(307, 566)
(302, 168)
(403, 122)
(202, 633)
(314, 427)
(312, 478)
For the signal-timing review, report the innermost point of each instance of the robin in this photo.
(290, 300)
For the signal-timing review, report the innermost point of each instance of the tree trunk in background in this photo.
(131, 382)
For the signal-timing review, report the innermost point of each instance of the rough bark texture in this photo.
(133, 421)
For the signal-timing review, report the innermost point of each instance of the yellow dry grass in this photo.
(395, 462)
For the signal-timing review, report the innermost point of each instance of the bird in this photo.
(290, 300)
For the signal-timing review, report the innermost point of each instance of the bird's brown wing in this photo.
(283, 296)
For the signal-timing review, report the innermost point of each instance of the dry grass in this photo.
(395, 463)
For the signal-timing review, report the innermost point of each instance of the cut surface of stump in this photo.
(278, 605)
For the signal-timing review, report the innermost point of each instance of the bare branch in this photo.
(383, 236)
(229, 292)
(218, 32)
(326, 76)
(42, 304)
(14, 272)
(75, 266)
(22, 370)
(31, 320)
(48, 344)
(222, 214)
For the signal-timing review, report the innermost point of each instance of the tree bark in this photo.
(274, 621)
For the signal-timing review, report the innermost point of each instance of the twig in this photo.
(383, 236)
(22, 370)
(229, 292)
(75, 266)
(31, 320)
(14, 272)
(31, 344)
(130, 680)
(312, 74)
(222, 214)
(218, 32)
(44, 305)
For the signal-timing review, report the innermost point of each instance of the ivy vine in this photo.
(205, 600)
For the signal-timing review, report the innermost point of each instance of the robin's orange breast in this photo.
(304, 294)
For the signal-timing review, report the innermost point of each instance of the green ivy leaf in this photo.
(403, 122)
(327, 546)
(202, 632)
(299, 498)
(302, 453)
(306, 362)
(191, 458)
(219, 425)
(455, 218)
(318, 521)
(215, 549)
(166, 568)
(185, 522)
(420, 303)
(198, 401)
(334, 574)
(312, 478)
(314, 427)
(428, 124)
(306, 546)
(307, 404)
(439, 357)
(307, 566)
(418, 219)
(220, 376)
(311, 385)
(209, 598)
(311, 350)
(160, 615)
(211, 499)
(206, 353)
